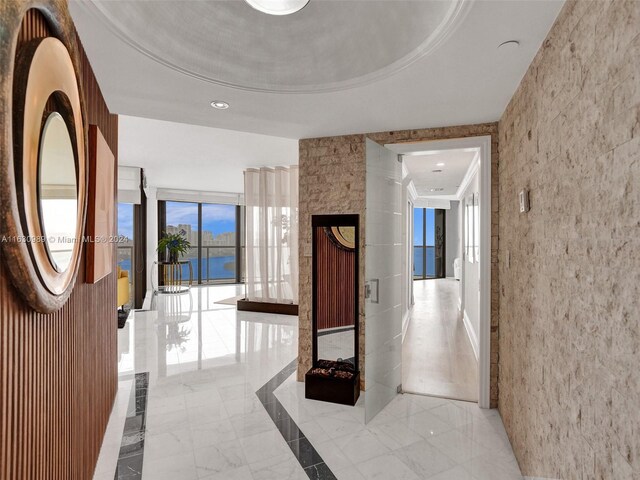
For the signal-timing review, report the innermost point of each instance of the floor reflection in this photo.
(191, 332)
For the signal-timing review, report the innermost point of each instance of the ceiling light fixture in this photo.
(436, 189)
(441, 164)
(278, 7)
(509, 46)
(219, 104)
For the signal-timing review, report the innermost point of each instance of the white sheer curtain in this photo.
(271, 197)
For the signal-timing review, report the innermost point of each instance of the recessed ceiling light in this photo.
(219, 104)
(278, 7)
(441, 164)
(436, 171)
(509, 46)
(436, 189)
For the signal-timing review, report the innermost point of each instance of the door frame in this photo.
(483, 144)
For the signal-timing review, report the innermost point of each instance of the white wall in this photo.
(452, 240)
(191, 157)
(470, 276)
(408, 198)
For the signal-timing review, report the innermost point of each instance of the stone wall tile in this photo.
(569, 335)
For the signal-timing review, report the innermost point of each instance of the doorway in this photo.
(445, 346)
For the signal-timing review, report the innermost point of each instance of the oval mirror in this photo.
(57, 191)
(45, 182)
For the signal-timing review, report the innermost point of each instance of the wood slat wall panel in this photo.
(335, 283)
(58, 372)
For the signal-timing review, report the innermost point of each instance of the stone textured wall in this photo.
(333, 180)
(569, 300)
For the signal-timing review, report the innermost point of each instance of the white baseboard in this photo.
(471, 334)
(405, 323)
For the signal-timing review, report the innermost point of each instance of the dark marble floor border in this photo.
(310, 460)
(131, 454)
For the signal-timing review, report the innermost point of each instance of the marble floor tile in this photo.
(207, 413)
(240, 473)
(207, 434)
(166, 422)
(492, 467)
(361, 446)
(200, 398)
(424, 459)
(452, 414)
(387, 467)
(456, 473)
(320, 471)
(264, 446)
(305, 452)
(437, 356)
(252, 424)
(457, 446)
(213, 413)
(349, 473)
(394, 434)
(333, 456)
(220, 457)
(168, 443)
(170, 467)
(426, 424)
(282, 467)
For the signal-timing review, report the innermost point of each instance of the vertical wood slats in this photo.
(58, 372)
(335, 283)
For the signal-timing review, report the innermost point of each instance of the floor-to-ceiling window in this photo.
(125, 247)
(183, 218)
(219, 235)
(214, 233)
(428, 243)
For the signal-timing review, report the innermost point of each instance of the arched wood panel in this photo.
(58, 372)
(335, 283)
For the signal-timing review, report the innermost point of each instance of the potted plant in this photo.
(175, 244)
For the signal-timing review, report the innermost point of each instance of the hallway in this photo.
(437, 357)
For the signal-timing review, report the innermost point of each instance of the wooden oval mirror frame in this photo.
(342, 237)
(45, 73)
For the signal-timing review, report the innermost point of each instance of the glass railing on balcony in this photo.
(218, 264)
(420, 253)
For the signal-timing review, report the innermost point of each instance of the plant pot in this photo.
(173, 257)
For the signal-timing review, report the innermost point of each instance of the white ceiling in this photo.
(319, 49)
(421, 170)
(190, 157)
(373, 65)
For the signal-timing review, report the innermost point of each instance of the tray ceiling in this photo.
(336, 67)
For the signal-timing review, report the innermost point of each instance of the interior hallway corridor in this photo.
(437, 357)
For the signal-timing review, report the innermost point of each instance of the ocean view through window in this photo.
(424, 264)
(212, 230)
